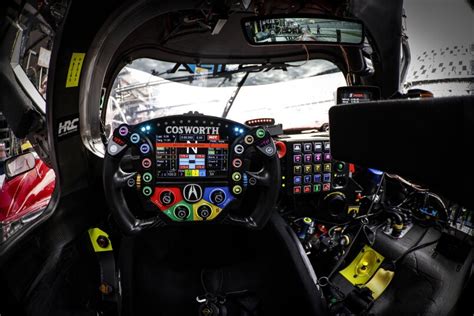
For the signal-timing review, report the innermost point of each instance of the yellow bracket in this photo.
(100, 240)
(353, 209)
(363, 267)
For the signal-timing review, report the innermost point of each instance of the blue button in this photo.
(202, 173)
(297, 180)
(217, 196)
(135, 138)
(326, 177)
(145, 148)
(307, 179)
(317, 178)
(213, 193)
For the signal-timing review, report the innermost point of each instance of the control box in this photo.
(309, 167)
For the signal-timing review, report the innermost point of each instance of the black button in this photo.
(307, 147)
(297, 169)
(166, 198)
(297, 148)
(217, 196)
(318, 147)
(181, 212)
(204, 211)
(327, 146)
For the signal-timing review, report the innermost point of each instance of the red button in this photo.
(146, 163)
(351, 168)
(119, 141)
(307, 189)
(297, 190)
(155, 198)
(326, 186)
(237, 163)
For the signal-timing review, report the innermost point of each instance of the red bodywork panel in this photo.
(26, 193)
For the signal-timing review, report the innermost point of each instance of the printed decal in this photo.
(67, 126)
(74, 72)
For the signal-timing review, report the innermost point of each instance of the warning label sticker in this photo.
(74, 72)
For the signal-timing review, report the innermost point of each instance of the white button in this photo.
(239, 149)
(269, 150)
(113, 149)
(248, 139)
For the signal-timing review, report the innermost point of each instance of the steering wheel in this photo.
(191, 169)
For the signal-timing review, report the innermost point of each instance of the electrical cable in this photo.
(382, 178)
(414, 186)
(307, 58)
(414, 249)
(416, 246)
(436, 197)
(374, 232)
(343, 257)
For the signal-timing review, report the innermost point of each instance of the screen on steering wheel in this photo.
(192, 151)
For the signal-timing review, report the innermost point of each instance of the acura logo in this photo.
(192, 193)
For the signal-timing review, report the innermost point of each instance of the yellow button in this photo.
(237, 189)
(214, 210)
(317, 168)
(236, 176)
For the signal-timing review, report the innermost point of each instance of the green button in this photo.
(147, 191)
(317, 188)
(236, 176)
(340, 166)
(147, 177)
(237, 189)
(260, 133)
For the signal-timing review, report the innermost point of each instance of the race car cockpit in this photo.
(244, 158)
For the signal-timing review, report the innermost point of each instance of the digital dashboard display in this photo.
(357, 94)
(356, 97)
(191, 156)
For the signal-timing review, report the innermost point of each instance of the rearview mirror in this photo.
(302, 30)
(19, 164)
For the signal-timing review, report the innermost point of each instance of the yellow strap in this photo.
(94, 235)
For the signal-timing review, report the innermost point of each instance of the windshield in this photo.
(296, 95)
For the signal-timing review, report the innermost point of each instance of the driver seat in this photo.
(172, 271)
